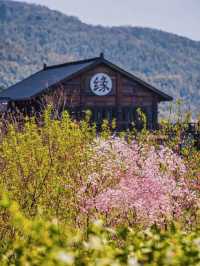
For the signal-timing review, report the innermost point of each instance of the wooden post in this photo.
(155, 115)
(82, 87)
(117, 102)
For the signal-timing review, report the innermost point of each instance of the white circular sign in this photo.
(101, 84)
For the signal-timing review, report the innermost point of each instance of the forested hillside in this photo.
(31, 35)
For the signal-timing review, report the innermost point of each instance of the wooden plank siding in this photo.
(121, 104)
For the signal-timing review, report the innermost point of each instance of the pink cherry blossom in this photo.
(139, 179)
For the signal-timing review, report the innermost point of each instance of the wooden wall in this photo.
(126, 96)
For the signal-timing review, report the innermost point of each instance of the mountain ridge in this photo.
(31, 35)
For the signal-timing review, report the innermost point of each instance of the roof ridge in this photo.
(72, 63)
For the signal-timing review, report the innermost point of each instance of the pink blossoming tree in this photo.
(137, 184)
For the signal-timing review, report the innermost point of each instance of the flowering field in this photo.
(70, 196)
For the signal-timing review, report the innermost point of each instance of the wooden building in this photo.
(95, 84)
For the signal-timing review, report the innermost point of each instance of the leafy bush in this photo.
(45, 166)
(42, 242)
(57, 179)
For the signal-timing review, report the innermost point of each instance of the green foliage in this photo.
(42, 172)
(33, 35)
(42, 242)
(44, 166)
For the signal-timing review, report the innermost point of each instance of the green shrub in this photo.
(43, 170)
(42, 242)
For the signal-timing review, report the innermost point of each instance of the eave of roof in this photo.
(44, 79)
(65, 72)
(163, 95)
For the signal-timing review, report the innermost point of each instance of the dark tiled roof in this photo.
(44, 79)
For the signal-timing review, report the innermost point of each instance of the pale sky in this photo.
(178, 16)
